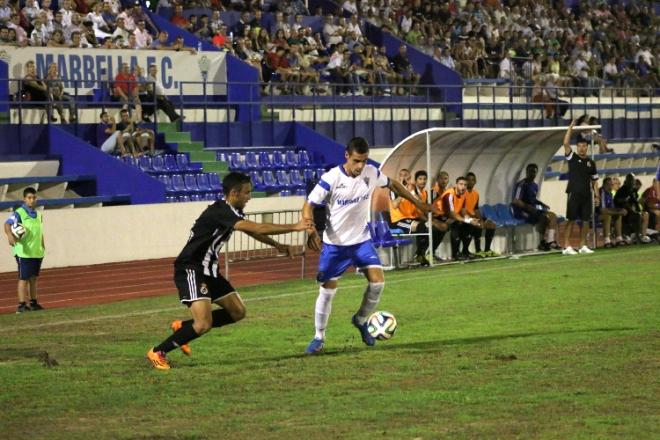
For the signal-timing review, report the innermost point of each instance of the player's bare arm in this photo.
(313, 241)
(271, 229)
(282, 248)
(567, 138)
(401, 191)
(10, 236)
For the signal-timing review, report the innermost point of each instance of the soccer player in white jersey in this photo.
(346, 192)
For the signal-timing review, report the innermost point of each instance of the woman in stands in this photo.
(57, 95)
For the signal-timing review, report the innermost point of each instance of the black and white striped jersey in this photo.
(209, 233)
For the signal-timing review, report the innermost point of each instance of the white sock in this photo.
(369, 301)
(607, 239)
(551, 235)
(322, 311)
(619, 238)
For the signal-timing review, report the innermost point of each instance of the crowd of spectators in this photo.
(103, 24)
(298, 58)
(525, 41)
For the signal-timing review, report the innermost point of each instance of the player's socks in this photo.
(370, 300)
(551, 235)
(322, 311)
(222, 317)
(490, 233)
(180, 337)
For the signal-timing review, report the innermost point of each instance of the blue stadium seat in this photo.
(490, 213)
(191, 182)
(167, 181)
(385, 237)
(182, 161)
(504, 213)
(285, 193)
(284, 180)
(251, 162)
(278, 160)
(130, 160)
(214, 182)
(145, 163)
(304, 159)
(291, 159)
(297, 180)
(211, 197)
(235, 161)
(300, 192)
(203, 183)
(171, 199)
(196, 197)
(170, 163)
(270, 183)
(158, 164)
(257, 181)
(265, 163)
(184, 198)
(309, 174)
(319, 173)
(178, 183)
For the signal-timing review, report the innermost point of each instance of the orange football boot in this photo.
(185, 348)
(158, 359)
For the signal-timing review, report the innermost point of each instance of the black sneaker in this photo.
(34, 306)
(554, 245)
(22, 308)
(421, 259)
(544, 246)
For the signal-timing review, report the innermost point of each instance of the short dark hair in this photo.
(234, 180)
(29, 190)
(532, 165)
(607, 179)
(471, 174)
(357, 145)
(460, 178)
(103, 113)
(421, 173)
(581, 140)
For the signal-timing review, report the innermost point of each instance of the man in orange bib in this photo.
(472, 209)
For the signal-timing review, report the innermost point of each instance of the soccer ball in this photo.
(17, 230)
(381, 325)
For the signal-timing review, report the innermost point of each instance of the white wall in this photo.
(123, 233)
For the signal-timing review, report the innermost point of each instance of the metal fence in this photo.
(242, 247)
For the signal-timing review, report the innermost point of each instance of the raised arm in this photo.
(567, 139)
(271, 229)
(285, 249)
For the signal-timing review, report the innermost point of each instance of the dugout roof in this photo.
(498, 156)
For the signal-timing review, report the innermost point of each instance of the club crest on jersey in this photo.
(204, 290)
(341, 186)
(366, 181)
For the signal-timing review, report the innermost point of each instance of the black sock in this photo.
(33, 302)
(222, 317)
(21, 303)
(490, 233)
(180, 337)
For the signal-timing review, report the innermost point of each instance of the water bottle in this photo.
(199, 46)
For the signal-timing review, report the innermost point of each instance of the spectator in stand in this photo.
(21, 34)
(203, 31)
(244, 51)
(39, 35)
(58, 96)
(651, 202)
(606, 211)
(216, 21)
(143, 38)
(179, 45)
(507, 70)
(126, 89)
(178, 19)
(108, 137)
(121, 30)
(332, 33)
(635, 221)
(126, 128)
(35, 89)
(339, 68)
(162, 42)
(56, 39)
(239, 28)
(101, 28)
(528, 207)
(350, 6)
(280, 23)
(221, 41)
(5, 12)
(405, 71)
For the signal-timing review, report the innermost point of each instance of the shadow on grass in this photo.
(355, 346)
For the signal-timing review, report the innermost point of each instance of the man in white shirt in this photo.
(346, 192)
(158, 91)
(142, 36)
(332, 32)
(350, 6)
(507, 70)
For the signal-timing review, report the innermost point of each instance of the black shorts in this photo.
(578, 207)
(193, 286)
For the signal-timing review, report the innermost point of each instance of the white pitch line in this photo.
(403, 278)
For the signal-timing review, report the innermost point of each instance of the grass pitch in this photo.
(543, 347)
